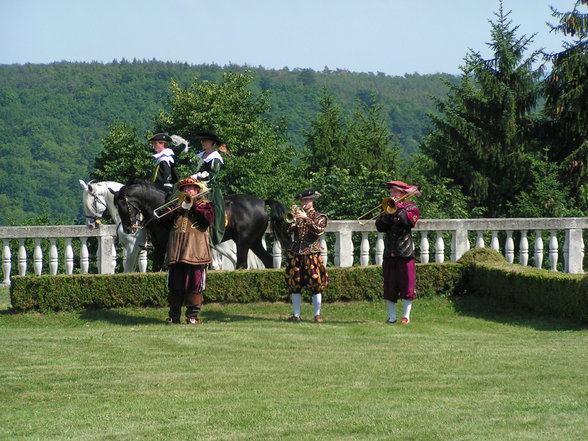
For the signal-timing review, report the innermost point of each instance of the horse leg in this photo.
(262, 254)
(242, 252)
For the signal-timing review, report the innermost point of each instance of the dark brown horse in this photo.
(246, 214)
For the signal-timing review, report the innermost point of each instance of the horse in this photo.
(247, 221)
(97, 197)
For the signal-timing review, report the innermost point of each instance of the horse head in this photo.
(127, 210)
(94, 204)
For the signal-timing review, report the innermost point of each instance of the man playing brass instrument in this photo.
(304, 265)
(188, 252)
(398, 265)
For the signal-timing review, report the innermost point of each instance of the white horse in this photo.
(97, 198)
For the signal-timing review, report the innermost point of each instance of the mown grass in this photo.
(462, 370)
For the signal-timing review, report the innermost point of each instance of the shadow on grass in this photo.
(492, 310)
(118, 317)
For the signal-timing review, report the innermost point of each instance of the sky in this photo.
(395, 37)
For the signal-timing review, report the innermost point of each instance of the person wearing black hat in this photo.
(398, 263)
(188, 252)
(164, 173)
(210, 162)
(304, 265)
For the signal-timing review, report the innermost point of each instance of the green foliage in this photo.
(481, 255)
(566, 90)
(257, 143)
(481, 140)
(124, 157)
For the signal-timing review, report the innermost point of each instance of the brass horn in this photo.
(389, 206)
(184, 200)
(290, 216)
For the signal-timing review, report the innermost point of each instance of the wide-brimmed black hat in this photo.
(161, 137)
(307, 194)
(209, 134)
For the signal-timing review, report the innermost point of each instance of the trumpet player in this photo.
(188, 252)
(304, 265)
(398, 265)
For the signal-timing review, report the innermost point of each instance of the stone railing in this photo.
(436, 240)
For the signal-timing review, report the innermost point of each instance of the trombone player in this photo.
(398, 264)
(304, 265)
(188, 251)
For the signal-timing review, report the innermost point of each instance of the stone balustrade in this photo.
(436, 240)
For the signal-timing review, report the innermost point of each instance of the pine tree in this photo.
(566, 89)
(480, 139)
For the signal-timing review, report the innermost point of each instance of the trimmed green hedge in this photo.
(480, 271)
(486, 273)
(75, 292)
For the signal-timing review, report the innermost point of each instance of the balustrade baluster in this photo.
(424, 247)
(22, 257)
(143, 261)
(379, 248)
(277, 254)
(364, 249)
(480, 240)
(53, 256)
(324, 251)
(524, 248)
(84, 255)
(538, 249)
(38, 257)
(337, 257)
(494, 241)
(6, 261)
(509, 247)
(69, 256)
(439, 248)
(553, 249)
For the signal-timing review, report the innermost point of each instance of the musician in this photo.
(398, 265)
(210, 162)
(304, 265)
(188, 253)
(164, 173)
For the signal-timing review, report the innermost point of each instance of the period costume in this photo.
(398, 265)
(164, 172)
(208, 169)
(304, 265)
(188, 254)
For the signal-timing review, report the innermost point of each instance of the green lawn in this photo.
(462, 370)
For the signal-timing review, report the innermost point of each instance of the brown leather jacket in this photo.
(307, 233)
(188, 239)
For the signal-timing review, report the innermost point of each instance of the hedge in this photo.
(103, 291)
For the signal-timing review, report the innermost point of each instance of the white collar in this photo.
(214, 155)
(164, 155)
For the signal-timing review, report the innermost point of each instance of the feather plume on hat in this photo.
(178, 140)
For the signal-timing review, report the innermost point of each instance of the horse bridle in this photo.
(134, 224)
(95, 202)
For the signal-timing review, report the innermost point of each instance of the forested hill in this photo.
(53, 117)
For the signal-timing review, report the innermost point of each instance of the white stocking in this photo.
(406, 306)
(391, 310)
(316, 303)
(296, 302)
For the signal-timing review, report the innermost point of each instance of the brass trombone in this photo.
(184, 200)
(389, 206)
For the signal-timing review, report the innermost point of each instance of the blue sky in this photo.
(390, 36)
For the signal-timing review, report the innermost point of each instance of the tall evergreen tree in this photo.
(325, 143)
(481, 140)
(566, 89)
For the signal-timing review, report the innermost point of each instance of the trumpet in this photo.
(184, 200)
(290, 216)
(388, 206)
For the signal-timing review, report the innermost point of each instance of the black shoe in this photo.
(193, 320)
(172, 321)
(294, 318)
